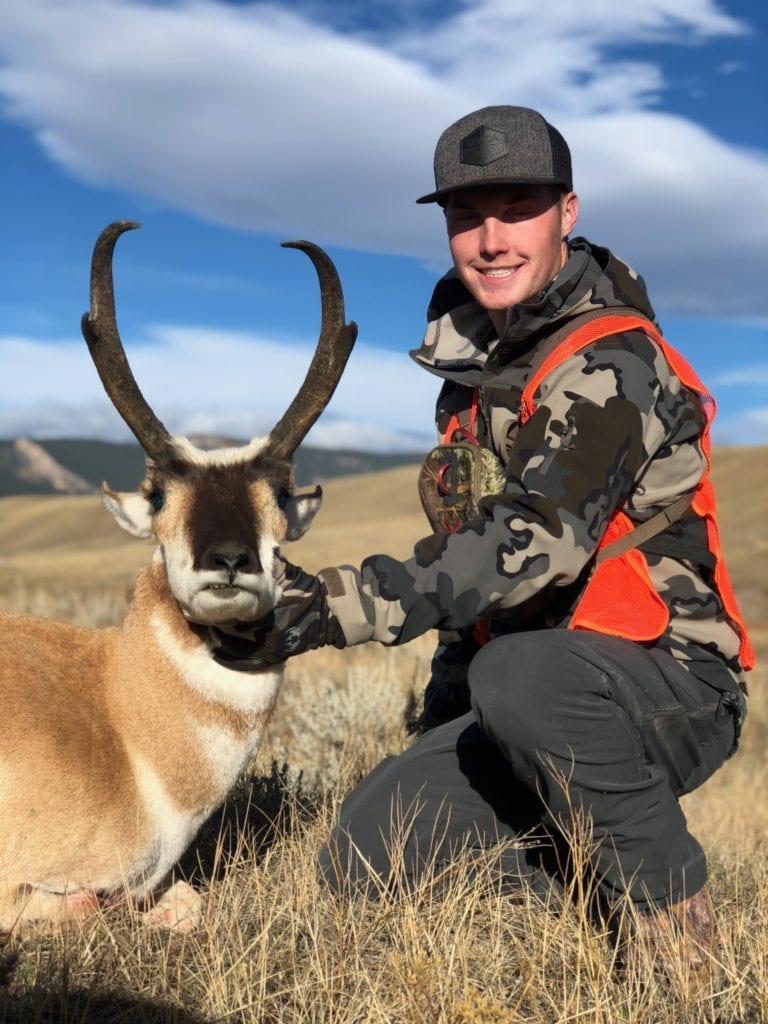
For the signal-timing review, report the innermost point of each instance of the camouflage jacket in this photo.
(613, 427)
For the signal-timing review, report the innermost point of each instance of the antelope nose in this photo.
(231, 562)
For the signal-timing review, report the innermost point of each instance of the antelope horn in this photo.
(333, 348)
(99, 328)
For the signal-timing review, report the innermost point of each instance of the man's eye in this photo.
(462, 221)
(156, 500)
(520, 213)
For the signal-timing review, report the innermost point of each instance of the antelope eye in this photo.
(282, 499)
(156, 500)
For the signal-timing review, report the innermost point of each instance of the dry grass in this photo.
(276, 946)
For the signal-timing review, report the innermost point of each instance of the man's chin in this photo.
(498, 298)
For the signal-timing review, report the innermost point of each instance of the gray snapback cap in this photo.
(500, 146)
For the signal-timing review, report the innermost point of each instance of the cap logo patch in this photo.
(483, 145)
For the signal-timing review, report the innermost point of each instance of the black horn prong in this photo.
(334, 346)
(99, 326)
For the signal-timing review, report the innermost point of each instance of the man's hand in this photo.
(301, 621)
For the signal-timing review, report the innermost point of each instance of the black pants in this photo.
(562, 722)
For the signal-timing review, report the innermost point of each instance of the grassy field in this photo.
(278, 947)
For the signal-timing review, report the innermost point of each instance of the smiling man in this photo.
(508, 243)
(591, 655)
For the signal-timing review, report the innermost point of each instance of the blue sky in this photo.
(226, 127)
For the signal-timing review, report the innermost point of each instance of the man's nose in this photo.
(492, 237)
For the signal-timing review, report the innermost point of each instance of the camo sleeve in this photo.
(603, 417)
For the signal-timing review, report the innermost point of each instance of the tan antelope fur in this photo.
(118, 743)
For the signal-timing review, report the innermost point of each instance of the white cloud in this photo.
(681, 205)
(748, 425)
(237, 384)
(754, 375)
(747, 428)
(201, 381)
(560, 51)
(260, 118)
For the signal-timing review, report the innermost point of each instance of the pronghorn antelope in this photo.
(118, 743)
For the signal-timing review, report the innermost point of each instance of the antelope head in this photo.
(218, 516)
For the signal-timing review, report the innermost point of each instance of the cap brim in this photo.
(435, 197)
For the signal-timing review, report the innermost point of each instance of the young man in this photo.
(616, 665)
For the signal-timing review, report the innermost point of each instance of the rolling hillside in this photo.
(62, 541)
(64, 466)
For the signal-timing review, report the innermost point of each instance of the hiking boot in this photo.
(680, 942)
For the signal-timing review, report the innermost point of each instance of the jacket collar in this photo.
(457, 343)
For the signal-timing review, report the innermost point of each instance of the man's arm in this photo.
(600, 418)
(605, 412)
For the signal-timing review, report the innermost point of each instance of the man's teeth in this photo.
(498, 273)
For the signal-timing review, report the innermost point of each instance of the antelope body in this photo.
(118, 743)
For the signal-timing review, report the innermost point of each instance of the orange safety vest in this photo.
(620, 598)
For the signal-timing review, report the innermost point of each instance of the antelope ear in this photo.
(130, 509)
(300, 510)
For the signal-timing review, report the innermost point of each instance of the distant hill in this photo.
(69, 542)
(69, 466)
(27, 467)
